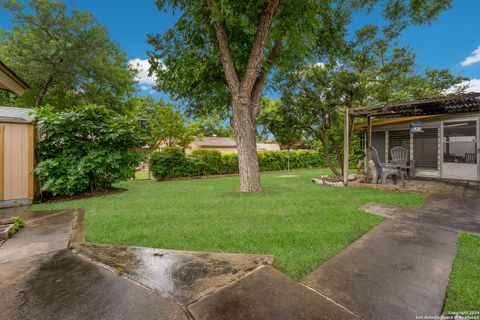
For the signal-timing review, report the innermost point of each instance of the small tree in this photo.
(367, 71)
(86, 149)
(164, 124)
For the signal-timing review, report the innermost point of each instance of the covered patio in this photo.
(429, 186)
(440, 137)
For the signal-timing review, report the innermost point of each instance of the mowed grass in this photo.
(300, 223)
(464, 288)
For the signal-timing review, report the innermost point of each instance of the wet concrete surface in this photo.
(7, 213)
(62, 285)
(267, 294)
(455, 214)
(40, 236)
(183, 276)
(399, 270)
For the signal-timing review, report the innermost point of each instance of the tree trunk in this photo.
(338, 153)
(244, 126)
(43, 91)
(326, 153)
(246, 91)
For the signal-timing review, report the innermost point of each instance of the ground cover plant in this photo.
(300, 223)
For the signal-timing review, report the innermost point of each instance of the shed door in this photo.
(460, 149)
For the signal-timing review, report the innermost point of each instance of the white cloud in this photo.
(473, 58)
(472, 85)
(142, 77)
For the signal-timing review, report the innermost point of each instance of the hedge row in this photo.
(169, 163)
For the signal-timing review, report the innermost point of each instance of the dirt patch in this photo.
(47, 197)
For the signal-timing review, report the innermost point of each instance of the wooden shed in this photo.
(17, 145)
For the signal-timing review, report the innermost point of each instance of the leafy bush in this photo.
(85, 149)
(229, 163)
(169, 163)
(17, 224)
(212, 160)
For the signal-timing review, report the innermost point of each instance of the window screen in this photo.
(378, 142)
(399, 138)
(425, 148)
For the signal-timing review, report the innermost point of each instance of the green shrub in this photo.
(18, 223)
(84, 149)
(169, 163)
(229, 163)
(212, 160)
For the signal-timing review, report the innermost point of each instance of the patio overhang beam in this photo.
(9, 81)
(452, 104)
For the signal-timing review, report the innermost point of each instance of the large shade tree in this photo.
(65, 56)
(219, 55)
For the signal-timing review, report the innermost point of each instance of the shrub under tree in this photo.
(85, 149)
(170, 163)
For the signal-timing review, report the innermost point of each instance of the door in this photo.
(460, 149)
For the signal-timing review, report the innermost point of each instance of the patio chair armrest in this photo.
(386, 165)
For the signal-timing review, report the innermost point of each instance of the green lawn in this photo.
(464, 288)
(300, 223)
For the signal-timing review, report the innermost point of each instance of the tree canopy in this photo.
(369, 70)
(165, 125)
(65, 56)
(219, 55)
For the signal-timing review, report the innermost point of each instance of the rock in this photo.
(323, 181)
(352, 177)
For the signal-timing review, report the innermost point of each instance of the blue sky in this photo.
(452, 39)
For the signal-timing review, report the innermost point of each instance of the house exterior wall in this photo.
(433, 123)
(17, 162)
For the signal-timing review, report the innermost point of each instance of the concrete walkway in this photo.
(41, 279)
(398, 270)
(401, 268)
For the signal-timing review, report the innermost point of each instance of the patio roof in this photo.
(10, 81)
(461, 103)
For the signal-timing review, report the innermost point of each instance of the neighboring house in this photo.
(448, 144)
(17, 145)
(225, 145)
(222, 144)
(268, 146)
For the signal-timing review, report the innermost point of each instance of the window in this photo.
(398, 138)
(378, 142)
(425, 148)
(460, 142)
